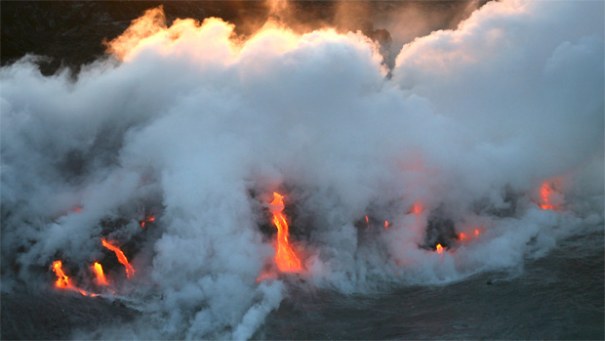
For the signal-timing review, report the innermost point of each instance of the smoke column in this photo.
(201, 126)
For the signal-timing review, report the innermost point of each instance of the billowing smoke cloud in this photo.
(199, 126)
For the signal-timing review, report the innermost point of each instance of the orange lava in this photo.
(547, 194)
(285, 257)
(100, 278)
(439, 248)
(121, 257)
(63, 281)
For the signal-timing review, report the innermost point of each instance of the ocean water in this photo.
(559, 296)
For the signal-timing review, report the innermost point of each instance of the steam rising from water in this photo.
(202, 126)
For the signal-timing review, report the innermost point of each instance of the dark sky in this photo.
(71, 33)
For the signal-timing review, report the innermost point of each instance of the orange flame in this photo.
(121, 257)
(462, 236)
(100, 278)
(367, 220)
(63, 282)
(547, 197)
(285, 257)
(387, 224)
(439, 248)
(476, 232)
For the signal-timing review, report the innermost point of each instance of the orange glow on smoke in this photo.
(149, 219)
(468, 235)
(285, 257)
(121, 257)
(387, 224)
(63, 282)
(439, 248)
(265, 275)
(367, 220)
(100, 278)
(547, 197)
(417, 208)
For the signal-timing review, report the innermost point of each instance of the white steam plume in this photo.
(203, 126)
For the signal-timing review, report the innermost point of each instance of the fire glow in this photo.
(285, 257)
(100, 278)
(439, 249)
(548, 197)
(470, 234)
(63, 281)
(144, 222)
(121, 257)
(417, 208)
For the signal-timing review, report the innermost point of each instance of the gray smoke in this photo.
(200, 127)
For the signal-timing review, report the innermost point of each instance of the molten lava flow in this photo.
(547, 197)
(100, 278)
(121, 257)
(439, 248)
(63, 282)
(285, 257)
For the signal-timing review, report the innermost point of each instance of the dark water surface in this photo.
(559, 296)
